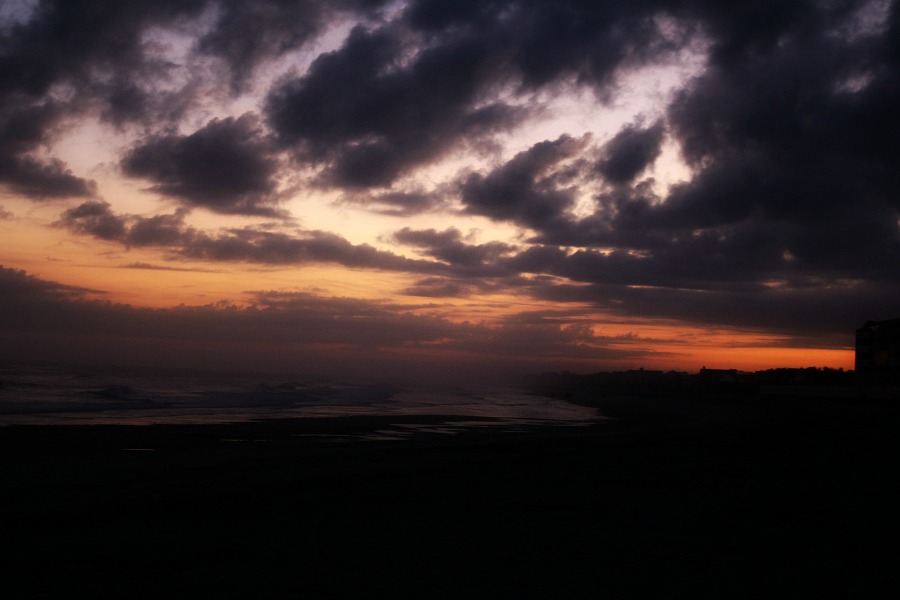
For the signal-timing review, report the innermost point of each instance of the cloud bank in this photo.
(786, 221)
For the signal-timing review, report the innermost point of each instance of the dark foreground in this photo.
(793, 503)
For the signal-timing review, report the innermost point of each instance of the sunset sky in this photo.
(449, 189)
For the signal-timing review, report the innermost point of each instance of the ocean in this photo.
(63, 395)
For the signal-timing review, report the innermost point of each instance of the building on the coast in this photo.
(878, 350)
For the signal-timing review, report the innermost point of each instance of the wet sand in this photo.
(799, 502)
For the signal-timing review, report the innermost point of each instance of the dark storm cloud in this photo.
(248, 33)
(531, 189)
(793, 191)
(407, 115)
(24, 128)
(70, 41)
(60, 62)
(400, 96)
(631, 151)
(544, 41)
(226, 167)
(788, 144)
(69, 59)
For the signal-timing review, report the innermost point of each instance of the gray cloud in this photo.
(23, 129)
(806, 316)
(246, 244)
(62, 61)
(226, 166)
(70, 59)
(19, 288)
(305, 333)
(247, 33)
(531, 189)
(630, 152)
(408, 116)
(154, 267)
(397, 203)
(95, 218)
(448, 246)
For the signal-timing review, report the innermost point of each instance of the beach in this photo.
(793, 501)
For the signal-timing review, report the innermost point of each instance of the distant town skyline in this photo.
(448, 190)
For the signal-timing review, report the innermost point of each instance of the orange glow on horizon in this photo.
(49, 253)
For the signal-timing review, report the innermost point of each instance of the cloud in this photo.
(431, 79)
(154, 267)
(95, 218)
(411, 114)
(545, 42)
(533, 188)
(63, 61)
(630, 152)
(792, 180)
(245, 244)
(448, 246)
(397, 203)
(98, 219)
(226, 166)
(268, 247)
(308, 334)
(66, 40)
(813, 316)
(23, 129)
(246, 34)
(19, 288)
(780, 149)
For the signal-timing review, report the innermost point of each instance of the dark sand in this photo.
(786, 502)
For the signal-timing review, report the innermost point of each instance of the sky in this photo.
(447, 190)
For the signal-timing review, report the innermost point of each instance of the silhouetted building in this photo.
(878, 349)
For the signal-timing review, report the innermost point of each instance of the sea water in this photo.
(54, 395)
